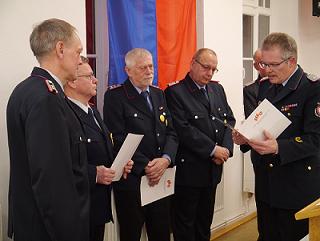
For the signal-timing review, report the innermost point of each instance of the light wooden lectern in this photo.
(312, 212)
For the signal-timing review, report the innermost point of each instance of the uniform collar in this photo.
(78, 103)
(55, 77)
(138, 89)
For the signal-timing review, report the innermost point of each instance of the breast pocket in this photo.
(295, 115)
(135, 122)
(197, 118)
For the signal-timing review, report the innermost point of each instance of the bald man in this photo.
(197, 104)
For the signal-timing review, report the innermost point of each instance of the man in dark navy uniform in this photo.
(287, 169)
(139, 108)
(200, 111)
(99, 148)
(49, 189)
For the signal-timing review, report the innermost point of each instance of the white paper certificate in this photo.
(264, 117)
(125, 153)
(164, 188)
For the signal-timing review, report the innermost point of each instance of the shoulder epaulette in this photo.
(111, 87)
(173, 83)
(155, 86)
(313, 77)
(51, 88)
(214, 81)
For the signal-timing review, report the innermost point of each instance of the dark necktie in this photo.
(146, 96)
(204, 92)
(91, 117)
(279, 87)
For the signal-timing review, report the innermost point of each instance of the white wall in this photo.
(309, 33)
(16, 61)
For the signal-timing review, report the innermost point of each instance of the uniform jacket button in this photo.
(309, 168)
(270, 165)
(158, 134)
(182, 160)
(89, 140)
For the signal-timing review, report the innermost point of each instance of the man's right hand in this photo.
(105, 175)
(221, 154)
(238, 138)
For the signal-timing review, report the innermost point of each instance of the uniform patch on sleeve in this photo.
(317, 110)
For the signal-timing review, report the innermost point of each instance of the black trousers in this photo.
(193, 213)
(276, 224)
(97, 232)
(132, 216)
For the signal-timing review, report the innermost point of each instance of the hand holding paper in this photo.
(127, 169)
(155, 169)
(164, 188)
(267, 146)
(125, 153)
(265, 117)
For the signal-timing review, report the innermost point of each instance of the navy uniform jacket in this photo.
(99, 149)
(125, 111)
(198, 130)
(290, 180)
(49, 188)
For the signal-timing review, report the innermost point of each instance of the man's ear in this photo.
(72, 84)
(59, 49)
(292, 61)
(127, 71)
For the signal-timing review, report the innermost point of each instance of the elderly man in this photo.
(99, 148)
(287, 173)
(137, 107)
(199, 110)
(49, 189)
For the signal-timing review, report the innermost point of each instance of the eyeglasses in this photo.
(272, 66)
(87, 76)
(207, 67)
(144, 68)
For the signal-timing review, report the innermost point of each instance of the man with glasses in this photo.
(99, 148)
(138, 107)
(287, 169)
(200, 113)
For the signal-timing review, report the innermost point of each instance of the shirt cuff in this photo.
(213, 151)
(167, 157)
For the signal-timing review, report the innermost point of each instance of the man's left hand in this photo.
(267, 146)
(155, 169)
(127, 169)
